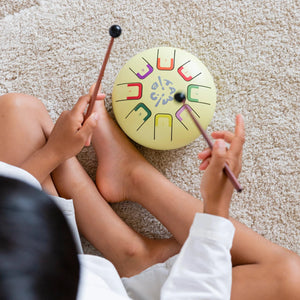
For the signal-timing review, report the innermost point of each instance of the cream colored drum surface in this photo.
(143, 97)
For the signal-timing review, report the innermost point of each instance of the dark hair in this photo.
(38, 256)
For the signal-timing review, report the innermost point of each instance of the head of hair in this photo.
(38, 256)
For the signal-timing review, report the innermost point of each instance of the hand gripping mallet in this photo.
(180, 97)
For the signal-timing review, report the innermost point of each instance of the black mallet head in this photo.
(115, 31)
(179, 97)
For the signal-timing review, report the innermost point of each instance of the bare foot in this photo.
(117, 158)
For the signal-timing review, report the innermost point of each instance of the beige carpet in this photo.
(53, 50)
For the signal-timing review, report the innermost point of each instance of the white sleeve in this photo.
(99, 279)
(11, 171)
(203, 269)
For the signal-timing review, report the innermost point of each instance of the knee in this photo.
(13, 102)
(288, 276)
(25, 108)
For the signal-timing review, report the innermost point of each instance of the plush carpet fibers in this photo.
(53, 50)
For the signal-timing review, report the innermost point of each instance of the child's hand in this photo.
(69, 135)
(216, 188)
(67, 138)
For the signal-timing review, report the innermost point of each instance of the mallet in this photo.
(114, 31)
(180, 97)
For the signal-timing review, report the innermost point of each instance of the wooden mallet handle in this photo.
(180, 97)
(114, 31)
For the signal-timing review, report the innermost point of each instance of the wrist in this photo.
(54, 156)
(217, 208)
(41, 163)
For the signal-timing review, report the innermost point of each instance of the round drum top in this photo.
(143, 95)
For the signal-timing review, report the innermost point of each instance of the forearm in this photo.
(220, 206)
(41, 163)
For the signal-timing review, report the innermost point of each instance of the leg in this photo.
(128, 251)
(123, 174)
(262, 269)
(24, 124)
(25, 127)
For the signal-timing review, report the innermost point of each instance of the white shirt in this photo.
(202, 269)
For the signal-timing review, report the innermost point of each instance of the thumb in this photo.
(88, 126)
(218, 157)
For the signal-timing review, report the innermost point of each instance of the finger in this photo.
(88, 142)
(204, 154)
(239, 137)
(86, 130)
(227, 136)
(240, 126)
(81, 104)
(204, 164)
(92, 89)
(101, 96)
(218, 157)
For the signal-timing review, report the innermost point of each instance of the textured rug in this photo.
(53, 50)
